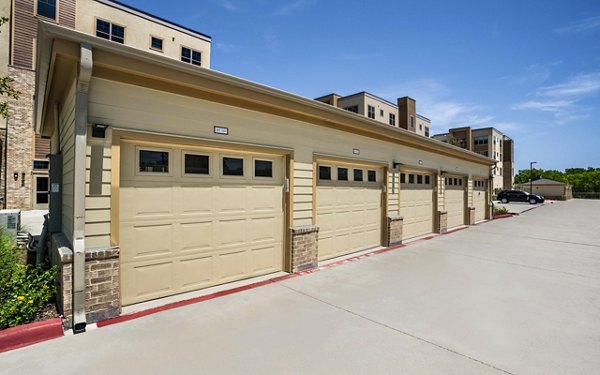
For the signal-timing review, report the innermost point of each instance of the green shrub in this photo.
(500, 211)
(24, 290)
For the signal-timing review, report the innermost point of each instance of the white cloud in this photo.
(288, 9)
(584, 25)
(228, 6)
(579, 85)
(547, 106)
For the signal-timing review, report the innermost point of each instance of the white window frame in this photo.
(197, 153)
(169, 151)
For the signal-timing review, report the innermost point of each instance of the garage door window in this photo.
(342, 174)
(402, 178)
(411, 178)
(419, 179)
(197, 164)
(372, 176)
(263, 168)
(324, 173)
(233, 166)
(358, 175)
(427, 180)
(153, 161)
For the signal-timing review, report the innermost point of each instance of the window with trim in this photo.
(156, 43)
(392, 119)
(46, 8)
(372, 176)
(233, 166)
(110, 31)
(412, 121)
(419, 179)
(427, 131)
(342, 174)
(483, 140)
(411, 178)
(371, 111)
(191, 56)
(196, 164)
(263, 168)
(324, 173)
(358, 175)
(460, 182)
(427, 180)
(420, 127)
(381, 113)
(41, 164)
(153, 161)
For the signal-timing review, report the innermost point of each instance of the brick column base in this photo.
(471, 220)
(394, 230)
(304, 247)
(102, 288)
(442, 222)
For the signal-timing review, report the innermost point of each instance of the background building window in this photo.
(412, 121)
(47, 8)
(352, 108)
(190, 56)
(107, 30)
(371, 111)
(427, 131)
(392, 119)
(156, 43)
(381, 113)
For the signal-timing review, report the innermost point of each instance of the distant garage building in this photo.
(550, 189)
(168, 178)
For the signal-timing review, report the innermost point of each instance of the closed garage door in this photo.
(455, 201)
(479, 200)
(416, 203)
(194, 218)
(348, 209)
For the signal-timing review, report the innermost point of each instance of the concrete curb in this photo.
(29, 334)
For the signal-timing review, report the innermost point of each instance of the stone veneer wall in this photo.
(394, 230)
(19, 143)
(102, 289)
(442, 222)
(304, 247)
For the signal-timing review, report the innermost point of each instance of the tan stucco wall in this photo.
(132, 107)
(138, 31)
(364, 100)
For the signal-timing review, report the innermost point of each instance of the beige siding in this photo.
(470, 192)
(303, 193)
(67, 147)
(393, 193)
(97, 207)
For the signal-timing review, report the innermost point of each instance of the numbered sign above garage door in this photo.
(349, 208)
(191, 218)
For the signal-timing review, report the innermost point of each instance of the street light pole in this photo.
(531, 176)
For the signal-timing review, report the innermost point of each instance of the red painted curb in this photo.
(504, 216)
(29, 334)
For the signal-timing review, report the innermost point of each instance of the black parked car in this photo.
(507, 196)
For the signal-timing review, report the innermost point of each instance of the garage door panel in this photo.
(479, 202)
(148, 241)
(182, 233)
(455, 206)
(195, 272)
(416, 209)
(196, 237)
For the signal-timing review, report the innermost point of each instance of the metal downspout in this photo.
(81, 113)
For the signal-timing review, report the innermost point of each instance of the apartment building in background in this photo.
(401, 115)
(488, 142)
(24, 181)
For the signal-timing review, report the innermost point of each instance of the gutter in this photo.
(84, 76)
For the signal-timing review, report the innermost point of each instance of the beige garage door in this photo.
(455, 200)
(416, 203)
(194, 218)
(348, 209)
(479, 200)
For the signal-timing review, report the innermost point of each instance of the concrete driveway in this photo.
(518, 296)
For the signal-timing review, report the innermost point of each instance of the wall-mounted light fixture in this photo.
(99, 130)
(420, 162)
(16, 176)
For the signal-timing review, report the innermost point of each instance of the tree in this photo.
(6, 88)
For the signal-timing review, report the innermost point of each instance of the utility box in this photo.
(10, 221)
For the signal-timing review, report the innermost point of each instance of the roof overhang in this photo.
(133, 65)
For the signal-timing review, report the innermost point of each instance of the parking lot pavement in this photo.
(516, 296)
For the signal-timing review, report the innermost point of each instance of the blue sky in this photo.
(529, 68)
